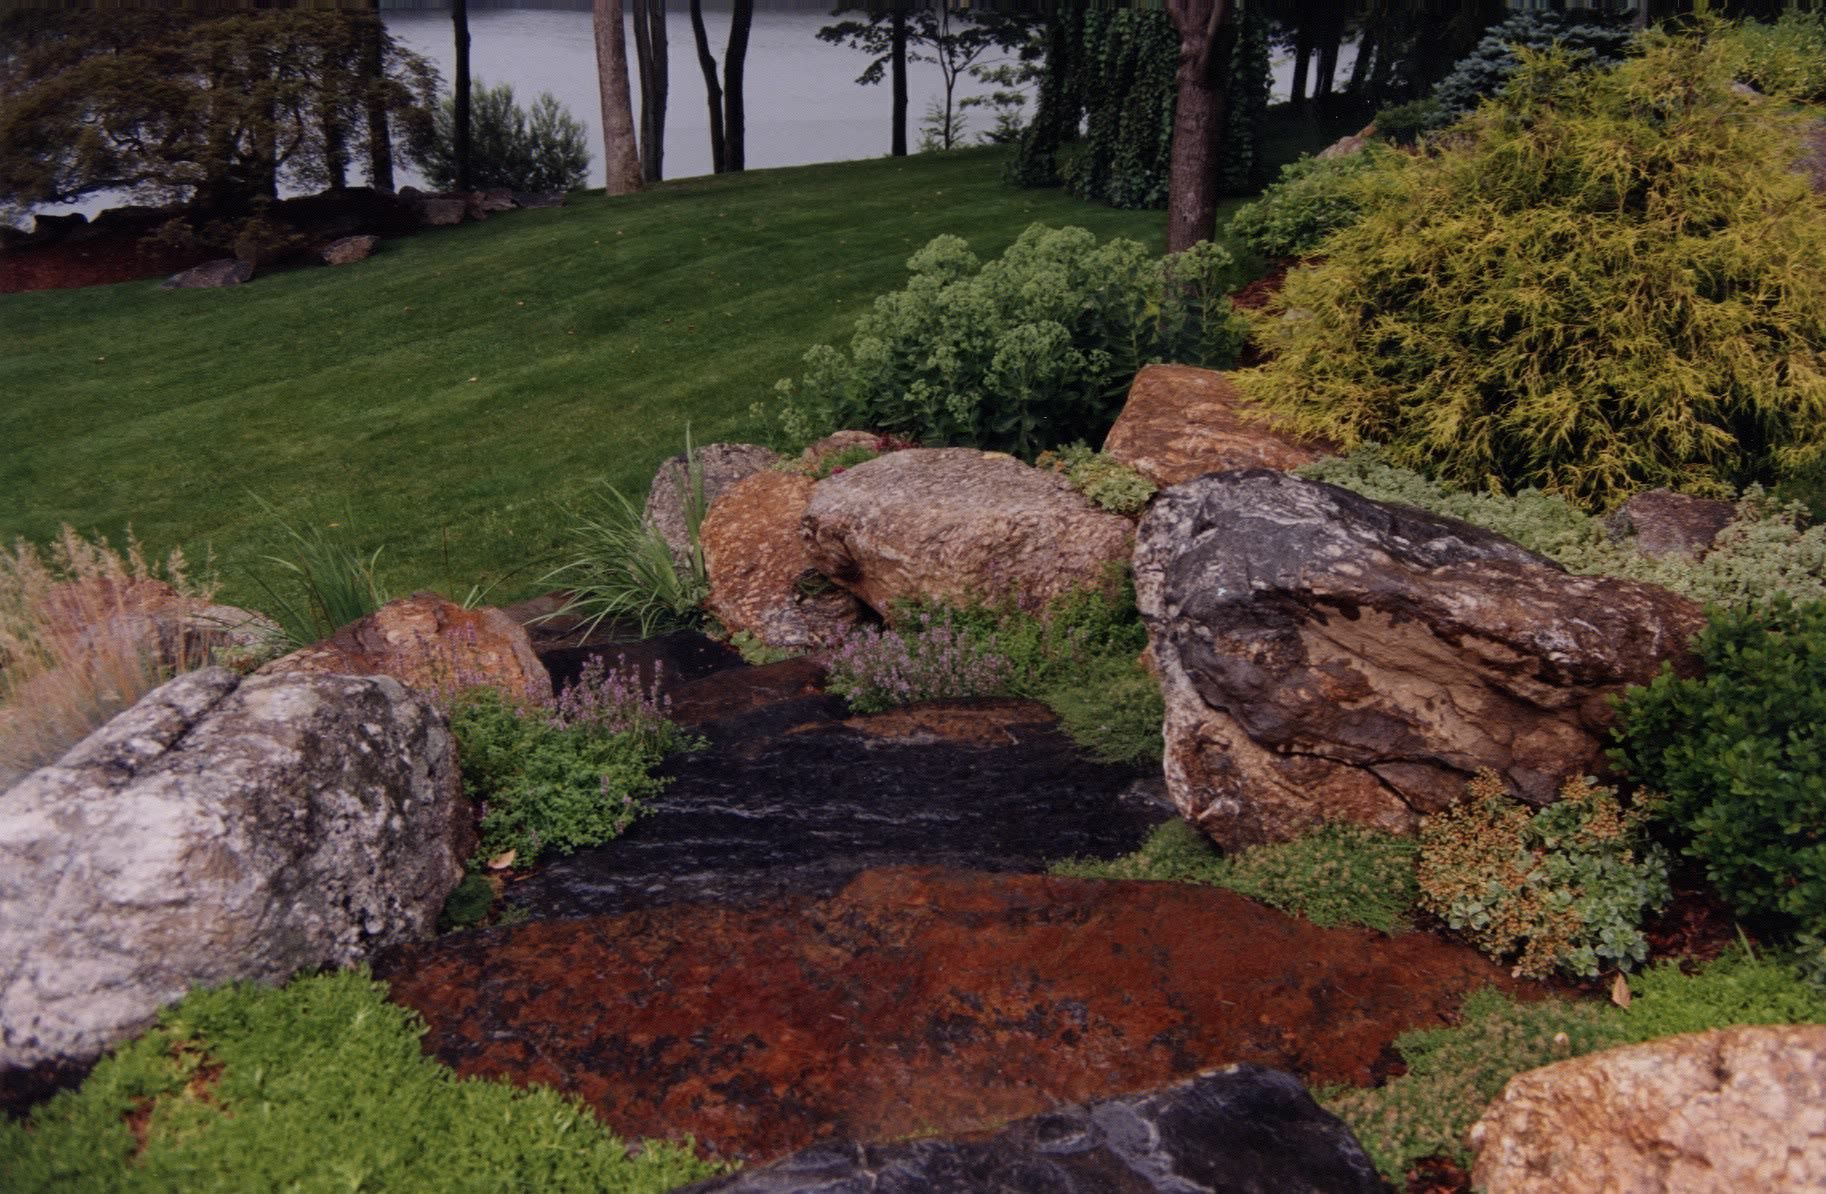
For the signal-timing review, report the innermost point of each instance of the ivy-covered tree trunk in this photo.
(735, 59)
(1058, 106)
(621, 164)
(713, 90)
(1207, 42)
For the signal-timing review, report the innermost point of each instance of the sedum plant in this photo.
(1108, 482)
(1563, 887)
(1606, 281)
(1033, 349)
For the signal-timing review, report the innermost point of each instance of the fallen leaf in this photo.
(501, 862)
(1619, 990)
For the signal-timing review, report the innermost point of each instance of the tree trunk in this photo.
(621, 164)
(1328, 62)
(898, 70)
(735, 59)
(1302, 61)
(652, 53)
(713, 90)
(1367, 50)
(1207, 44)
(380, 132)
(459, 19)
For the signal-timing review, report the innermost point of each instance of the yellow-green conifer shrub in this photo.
(1605, 281)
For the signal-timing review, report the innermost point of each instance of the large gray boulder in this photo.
(720, 465)
(219, 829)
(1242, 1128)
(1325, 657)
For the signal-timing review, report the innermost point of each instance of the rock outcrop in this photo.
(955, 524)
(229, 271)
(1239, 1128)
(720, 465)
(1181, 422)
(1723, 1112)
(219, 829)
(429, 644)
(1325, 657)
(348, 250)
(762, 579)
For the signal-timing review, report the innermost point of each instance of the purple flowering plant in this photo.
(876, 669)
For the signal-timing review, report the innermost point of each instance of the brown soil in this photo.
(91, 261)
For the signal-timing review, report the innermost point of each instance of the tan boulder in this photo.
(348, 250)
(1724, 1112)
(429, 644)
(762, 580)
(958, 525)
(1181, 422)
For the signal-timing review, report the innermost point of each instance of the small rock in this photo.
(1722, 1112)
(349, 250)
(1665, 523)
(1181, 422)
(498, 199)
(539, 198)
(439, 211)
(229, 271)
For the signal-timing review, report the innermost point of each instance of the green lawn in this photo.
(445, 398)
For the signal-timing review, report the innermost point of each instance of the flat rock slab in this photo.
(791, 800)
(917, 1001)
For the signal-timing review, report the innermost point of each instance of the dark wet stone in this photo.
(677, 658)
(1244, 1128)
(788, 800)
(918, 1002)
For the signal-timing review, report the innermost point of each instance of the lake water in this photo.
(803, 103)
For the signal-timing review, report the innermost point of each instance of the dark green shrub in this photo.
(320, 1085)
(1033, 349)
(558, 778)
(1313, 198)
(468, 905)
(1336, 875)
(1607, 281)
(543, 149)
(1563, 887)
(1104, 480)
(1740, 755)
(1453, 1073)
(1402, 124)
(1486, 70)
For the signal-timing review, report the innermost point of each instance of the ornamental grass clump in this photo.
(1605, 281)
(1563, 887)
(78, 644)
(931, 659)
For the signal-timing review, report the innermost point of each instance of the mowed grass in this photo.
(446, 399)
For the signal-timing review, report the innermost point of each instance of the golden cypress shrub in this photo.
(1605, 281)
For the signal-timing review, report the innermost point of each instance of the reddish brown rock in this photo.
(918, 1001)
(1181, 422)
(1663, 523)
(1724, 1112)
(1327, 658)
(958, 525)
(669, 496)
(762, 579)
(430, 644)
(349, 250)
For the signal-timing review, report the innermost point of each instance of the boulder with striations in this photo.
(1721, 1112)
(762, 579)
(958, 525)
(1181, 422)
(220, 829)
(670, 494)
(1325, 657)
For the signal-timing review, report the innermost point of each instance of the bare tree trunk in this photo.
(898, 64)
(1368, 49)
(713, 90)
(620, 162)
(459, 19)
(1328, 62)
(1302, 62)
(1207, 43)
(652, 53)
(380, 133)
(735, 59)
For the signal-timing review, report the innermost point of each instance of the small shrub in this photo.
(1740, 755)
(322, 1084)
(1402, 124)
(1313, 198)
(1033, 349)
(1454, 1073)
(575, 774)
(1767, 552)
(1336, 875)
(1562, 887)
(1479, 323)
(1112, 485)
(468, 905)
(509, 147)
(76, 644)
(929, 660)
